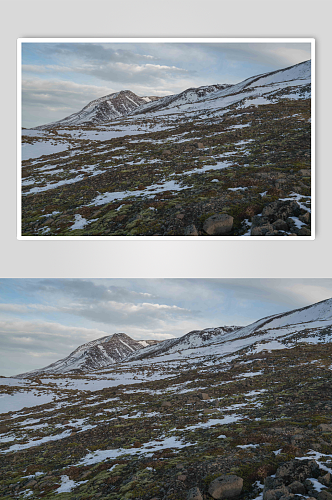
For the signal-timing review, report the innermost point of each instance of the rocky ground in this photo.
(257, 424)
(245, 171)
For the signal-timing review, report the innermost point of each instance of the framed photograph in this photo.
(169, 389)
(166, 138)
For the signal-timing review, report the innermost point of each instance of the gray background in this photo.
(170, 18)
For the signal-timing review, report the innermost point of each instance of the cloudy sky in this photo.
(43, 320)
(58, 79)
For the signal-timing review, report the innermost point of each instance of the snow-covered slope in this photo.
(316, 315)
(104, 109)
(98, 353)
(125, 103)
(188, 96)
(221, 96)
(309, 324)
(196, 338)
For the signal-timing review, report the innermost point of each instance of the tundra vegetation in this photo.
(174, 427)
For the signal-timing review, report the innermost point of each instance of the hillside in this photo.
(253, 402)
(104, 109)
(96, 354)
(214, 161)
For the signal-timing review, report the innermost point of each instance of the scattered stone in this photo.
(203, 395)
(218, 224)
(182, 477)
(191, 230)
(305, 218)
(304, 231)
(166, 404)
(305, 172)
(325, 427)
(324, 495)
(297, 488)
(280, 225)
(262, 230)
(226, 487)
(31, 484)
(194, 494)
(325, 480)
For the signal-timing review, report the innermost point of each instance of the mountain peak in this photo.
(103, 109)
(95, 354)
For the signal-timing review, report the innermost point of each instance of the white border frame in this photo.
(20, 41)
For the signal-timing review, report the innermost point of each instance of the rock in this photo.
(191, 230)
(324, 495)
(182, 477)
(325, 480)
(305, 218)
(297, 470)
(304, 231)
(280, 225)
(325, 427)
(166, 404)
(305, 172)
(297, 487)
(180, 216)
(275, 494)
(31, 484)
(203, 395)
(226, 487)
(281, 210)
(194, 494)
(218, 224)
(262, 230)
(4, 429)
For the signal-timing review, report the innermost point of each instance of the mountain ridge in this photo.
(313, 321)
(103, 109)
(97, 353)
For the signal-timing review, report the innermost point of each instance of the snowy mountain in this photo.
(311, 324)
(125, 102)
(219, 95)
(98, 353)
(196, 338)
(188, 96)
(104, 109)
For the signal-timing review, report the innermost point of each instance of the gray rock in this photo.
(226, 487)
(325, 427)
(261, 230)
(297, 470)
(218, 224)
(203, 395)
(304, 231)
(297, 488)
(191, 230)
(324, 495)
(325, 480)
(280, 225)
(275, 494)
(281, 210)
(305, 218)
(194, 494)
